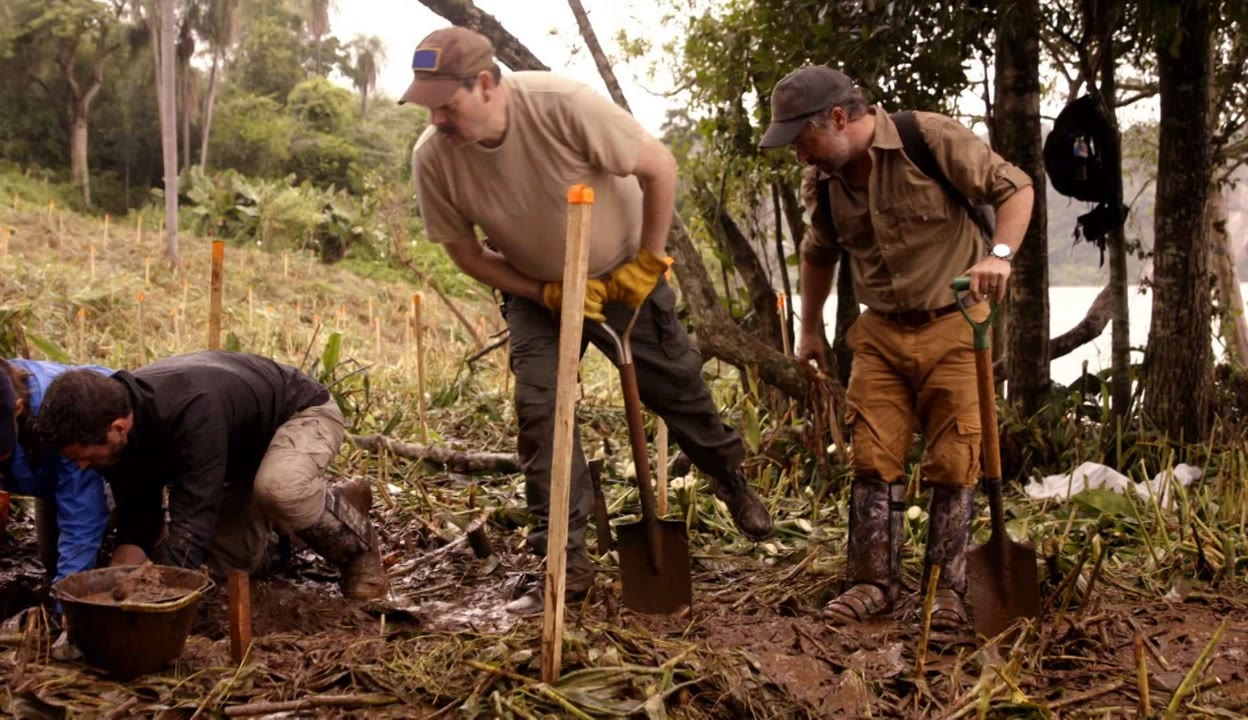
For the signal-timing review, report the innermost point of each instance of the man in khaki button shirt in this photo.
(500, 155)
(906, 238)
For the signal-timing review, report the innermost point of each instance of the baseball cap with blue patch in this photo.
(443, 61)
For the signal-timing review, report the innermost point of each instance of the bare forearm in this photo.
(816, 284)
(658, 204)
(493, 269)
(1013, 217)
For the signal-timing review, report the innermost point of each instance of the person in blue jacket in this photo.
(71, 504)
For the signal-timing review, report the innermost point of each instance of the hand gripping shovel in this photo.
(1001, 584)
(654, 553)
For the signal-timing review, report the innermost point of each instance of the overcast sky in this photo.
(546, 27)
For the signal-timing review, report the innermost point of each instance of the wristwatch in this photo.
(1001, 251)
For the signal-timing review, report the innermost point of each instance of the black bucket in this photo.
(128, 639)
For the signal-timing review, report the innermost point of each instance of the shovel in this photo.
(1002, 585)
(654, 553)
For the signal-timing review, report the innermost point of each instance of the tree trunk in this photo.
(363, 102)
(745, 261)
(1177, 376)
(186, 117)
(208, 102)
(169, 131)
(78, 152)
(600, 58)
(1116, 242)
(1016, 122)
(1234, 329)
(507, 47)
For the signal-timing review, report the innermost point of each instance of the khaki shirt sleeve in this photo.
(444, 223)
(817, 247)
(606, 133)
(970, 163)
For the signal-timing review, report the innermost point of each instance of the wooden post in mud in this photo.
(240, 614)
(580, 204)
(142, 342)
(217, 284)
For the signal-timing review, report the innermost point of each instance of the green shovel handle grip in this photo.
(962, 285)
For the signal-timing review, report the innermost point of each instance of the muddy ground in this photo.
(752, 646)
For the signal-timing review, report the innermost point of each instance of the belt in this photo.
(917, 318)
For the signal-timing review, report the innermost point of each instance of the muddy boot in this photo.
(749, 513)
(896, 533)
(344, 536)
(578, 579)
(949, 528)
(869, 556)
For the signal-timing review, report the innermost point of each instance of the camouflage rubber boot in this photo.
(949, 529)
(869, 557)
(749, 513)
(896, 532)
(345, 537)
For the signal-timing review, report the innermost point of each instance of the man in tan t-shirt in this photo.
(500, 156)
(905, 238)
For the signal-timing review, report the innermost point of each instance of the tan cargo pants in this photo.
(907, 376)
(288, 494)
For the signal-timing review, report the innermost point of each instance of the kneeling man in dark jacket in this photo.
(243, 444)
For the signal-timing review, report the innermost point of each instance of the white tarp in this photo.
(1094, 475)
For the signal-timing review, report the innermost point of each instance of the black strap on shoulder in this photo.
(920, 153)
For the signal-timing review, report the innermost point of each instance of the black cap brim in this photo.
(782, 133)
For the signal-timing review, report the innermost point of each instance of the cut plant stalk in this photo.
(417, 331)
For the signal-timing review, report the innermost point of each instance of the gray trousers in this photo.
(669, 375)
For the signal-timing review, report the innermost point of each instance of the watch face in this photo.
(1001, 251)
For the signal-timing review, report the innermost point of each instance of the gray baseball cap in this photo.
(800, 95)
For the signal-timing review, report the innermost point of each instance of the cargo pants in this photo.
(669, 376)
(906, 376)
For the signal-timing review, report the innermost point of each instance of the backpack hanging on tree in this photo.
(1081, 163)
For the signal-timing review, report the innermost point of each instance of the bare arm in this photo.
(989, 276)
(656, 168)
(816, 283)
(491, 268)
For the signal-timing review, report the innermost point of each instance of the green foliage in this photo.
(252, 135)
(324, 160)
(320, 105)
(270, 55)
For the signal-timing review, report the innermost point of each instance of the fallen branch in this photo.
(265, 708)
(454, 460)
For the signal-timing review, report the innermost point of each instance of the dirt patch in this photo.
(141, 585)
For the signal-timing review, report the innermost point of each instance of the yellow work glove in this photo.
(631, 283)
(595, 296)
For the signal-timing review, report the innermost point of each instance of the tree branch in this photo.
(600, 57)
(507, 47)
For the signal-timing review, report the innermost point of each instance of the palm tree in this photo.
(369, 54)
(220, 30)
(318, 25)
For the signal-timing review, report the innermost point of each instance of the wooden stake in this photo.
(660, 439)
(147, 271)
(417, 327)
(217, 285)
(285, 266)
(142, 342)
(239, 583)
(177, 328)
(82, 334)
(51, 209)
(186, 288)
(138, 229)
(377, 332)
(91, 256)
(784, 324)
(580, 206)
(105, 240)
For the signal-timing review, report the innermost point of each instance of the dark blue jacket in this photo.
(81, 503)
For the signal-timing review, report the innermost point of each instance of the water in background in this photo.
(1067, 306)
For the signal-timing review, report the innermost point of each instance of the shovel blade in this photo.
(644, 590)
(1002, 585)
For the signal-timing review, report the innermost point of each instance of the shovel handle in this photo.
(637, 436)
(987, 392)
